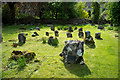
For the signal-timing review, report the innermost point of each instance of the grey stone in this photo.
(47, 33)
(52, 28)
(56, 33)
(22, 37)
(69, 35)
(70, 29)
(80, 34)
(73, 51)
(97, 35)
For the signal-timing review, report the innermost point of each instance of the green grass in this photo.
(100, 62)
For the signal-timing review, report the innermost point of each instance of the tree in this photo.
(81, 13)
(95, 12)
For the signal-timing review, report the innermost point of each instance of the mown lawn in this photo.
(100, 62)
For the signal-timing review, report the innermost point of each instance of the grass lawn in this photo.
(100, 62)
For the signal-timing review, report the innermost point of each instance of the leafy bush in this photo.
(43, 40)
(110, 28)
(21, 62)
(115, 28)
(55, 42)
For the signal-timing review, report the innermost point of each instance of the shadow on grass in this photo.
(77, 69)
(93, 46)
(100, 39)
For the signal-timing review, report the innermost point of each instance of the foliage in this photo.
(5, 14)
(81, 13)
(44, 40)
(116, 29)
(115, 10)
(110, 28)
(21, 62)
(95, 12)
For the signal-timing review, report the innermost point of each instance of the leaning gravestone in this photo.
(47, 33)
(53, 28)
(56, 33)
(70, 29)
(1, 38)
(69, 35)
(97, 35)
(73, 52)
(88, 37)
(22, 37)
(35, 34)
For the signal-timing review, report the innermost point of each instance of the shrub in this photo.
(43, 40)
(55, 42)
(115, 28)
(110, 28)
(21, 62)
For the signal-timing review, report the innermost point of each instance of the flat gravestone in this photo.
(50, 25)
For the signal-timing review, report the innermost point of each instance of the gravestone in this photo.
(53, 41)
(56, 33)
(37, 28)
(53, 28)
(73, 52)
(65, 28)
(70, 29)
(47, 33)
(88, 37)
(81, 29)
(1, 38)
(22, 28)
(69, 35)
(22, 37)
(20, 54)
(97, 35)
(36, 33)
(100, 27)
(75, 28)
(49, 25)
(80, 34)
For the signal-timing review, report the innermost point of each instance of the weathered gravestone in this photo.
(98, 35)
(52, 28)
(47, 33)
(73, 52)
(1, 38)
(80, 34)
(100, 27)
(70, 29)
(75, 28)
(81, 29)
(69, 35)
(88, 37)
(56, 33)
(22, 37)
(37, 28)
(35, 34)
(53, 41)
(20, 54)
